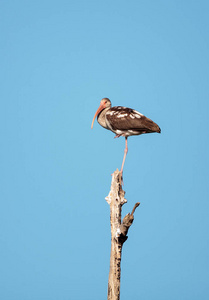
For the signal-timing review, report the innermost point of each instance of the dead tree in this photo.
(119, 232)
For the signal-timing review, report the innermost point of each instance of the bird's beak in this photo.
(101, 107)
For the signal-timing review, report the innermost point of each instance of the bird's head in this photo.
(104, 103)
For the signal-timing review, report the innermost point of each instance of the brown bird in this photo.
(123, 121)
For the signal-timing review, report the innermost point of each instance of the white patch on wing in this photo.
(132, 116)
(122, 115)
(110, 113)
(118, 131)
(137, 114)
(133, 132)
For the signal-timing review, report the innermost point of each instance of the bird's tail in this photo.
(158, 129)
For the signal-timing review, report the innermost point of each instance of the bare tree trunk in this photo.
(118, 233)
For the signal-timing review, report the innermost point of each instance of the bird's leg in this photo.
(124, 157)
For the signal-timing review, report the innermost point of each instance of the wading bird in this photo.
(123, 121)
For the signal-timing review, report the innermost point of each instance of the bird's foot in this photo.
(117, 136)
(121, 177)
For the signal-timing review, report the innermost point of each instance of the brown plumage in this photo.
(123, 121)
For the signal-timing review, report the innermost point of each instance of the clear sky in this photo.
(58, 60)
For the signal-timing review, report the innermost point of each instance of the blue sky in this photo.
(58, 60)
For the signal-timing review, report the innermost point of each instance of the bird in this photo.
(123, 121)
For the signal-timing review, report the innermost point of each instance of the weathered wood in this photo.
(119, 232)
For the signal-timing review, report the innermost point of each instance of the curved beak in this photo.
(101, 107)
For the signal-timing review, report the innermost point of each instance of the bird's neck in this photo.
(101, 118)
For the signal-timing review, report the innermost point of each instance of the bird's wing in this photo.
(124, 118)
